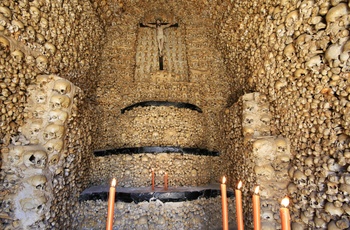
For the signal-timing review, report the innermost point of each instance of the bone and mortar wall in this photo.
(295, 52)
(40, 43)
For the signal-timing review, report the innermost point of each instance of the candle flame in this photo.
(114, 182)
(256, 190)
(223, 179)
(285, 201)
(239, 184)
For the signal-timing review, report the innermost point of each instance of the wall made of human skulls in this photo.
(38, 38)
(129, 73)
(296, 52)
(47, 155)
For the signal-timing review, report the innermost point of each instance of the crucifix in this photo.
(160, 26)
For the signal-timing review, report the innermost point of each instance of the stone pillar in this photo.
(35, 157)
(271, 155)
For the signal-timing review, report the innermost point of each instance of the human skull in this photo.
(332, 165)
(345, 188)
(35, 13)
(58, 101)
(50, 47)
(31, 32)
(264, 171)
(17, 56)
(35, 158)
(345, 178)
(250, 106)
(292, 188)
(266, 118)
(40, 38)
(4, 22)
(30, 60)
(42, 80)
(248, 119)
(5, 11)
(315, 201)
(15, 155)
(41, 62)
(248, 131)
(53, 131)
(44, 23)
(16, 25)
(39, 113)
(289, 51)
(53, 159)
(40, 97)
(332, 188)
(10, 180)
(31, 131)
(299, 179)
(54, 146)
(58, 117)
(333, 210)
(265, 149)
(267, 215)
(33, 204)
(333, 177)
(309, 161)
(281, 145)
(62, 86)
(38, 181)
(4, 43)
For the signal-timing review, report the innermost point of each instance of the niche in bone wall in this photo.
(161, 48)
(34, 161)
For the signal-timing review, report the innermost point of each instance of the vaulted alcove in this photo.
(257, 91)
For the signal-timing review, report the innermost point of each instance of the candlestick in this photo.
(239, 210)
(111, 198)
(284, 213)
(166, 181)
(224, 204)
(152, 179)
(256, 209)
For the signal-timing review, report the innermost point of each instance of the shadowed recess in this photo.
(172, 194)
(155, 149)
(163, 103)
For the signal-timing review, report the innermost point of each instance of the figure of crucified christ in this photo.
(159, 26)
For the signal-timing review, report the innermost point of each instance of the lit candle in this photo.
(284, 212)
(166, 181)
(224, 204)
(239, 210)
(152, 179)
(111, 199)
(256, 209)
